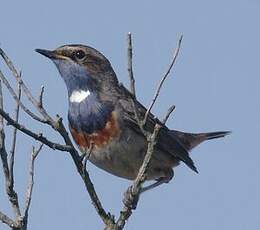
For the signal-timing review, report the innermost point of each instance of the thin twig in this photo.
(95, 200)
(2, 140)
(170, 110)
(34, 155)
(130, 64)
(12, 195)
(38, 137)
(7, 220)
(138, 119)
(1, 105)
(12, 92)
(135, 189)
(13, 146)
(140, 179)
(87, 156)
(26, 91)
(91, 190)
(163, 79)
(84, 175)
(40, 104)
(132, 81)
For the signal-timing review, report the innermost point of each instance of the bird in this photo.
(101, 117)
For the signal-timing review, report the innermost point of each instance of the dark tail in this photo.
(214, 135)
(191, 140)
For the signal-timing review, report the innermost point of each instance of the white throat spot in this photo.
(79, 95)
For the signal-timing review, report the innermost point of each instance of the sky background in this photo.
(214, 85)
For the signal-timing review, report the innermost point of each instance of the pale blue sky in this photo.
(215, 86)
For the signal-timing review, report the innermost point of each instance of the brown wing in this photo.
(166, 142)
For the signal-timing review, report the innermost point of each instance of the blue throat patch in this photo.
(90, 115)
(76, 77)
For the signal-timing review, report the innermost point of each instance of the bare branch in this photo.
(3, 153)
(95, 200)
(87, 156)
(9, 63)
(34, 155)
(26, 91)
(40, 104)
(170, 110)
(84, 174)
(7, 220)
(133, 192)
(12, 92)
(141, 177)
(138, 119)
(82, 170)
(163, 79)
(132, 81)
(12, 195)
(1, 105)
(132, 195)
(38, 137)
(130, 64)
(13, 146)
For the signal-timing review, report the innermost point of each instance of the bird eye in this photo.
(80, 54)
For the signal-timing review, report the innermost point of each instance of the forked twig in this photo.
(13, 146)
(34, 155)
(12, 195)
(12, 92)
(25, 89)
(40, 103)
(38, 137)
(7, 220)
(175, 55)
(170, 110)
(135, 189)
(130, 64)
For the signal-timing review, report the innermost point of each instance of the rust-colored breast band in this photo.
(100, 138)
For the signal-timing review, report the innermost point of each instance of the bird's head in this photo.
(82, 68)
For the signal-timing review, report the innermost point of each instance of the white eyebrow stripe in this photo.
(79, 95)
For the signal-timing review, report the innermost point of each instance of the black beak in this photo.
(47, 53)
